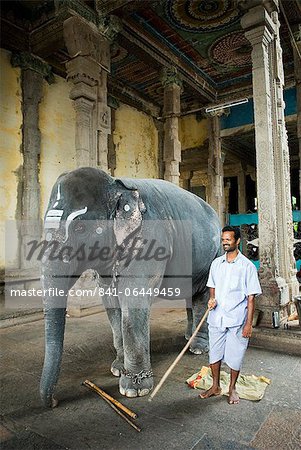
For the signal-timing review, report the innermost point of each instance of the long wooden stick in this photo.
(111, 399)
(95, 388)
(172, 366)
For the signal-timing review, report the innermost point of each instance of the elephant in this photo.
(147, 238)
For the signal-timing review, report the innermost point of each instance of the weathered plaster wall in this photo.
(136, 141)
(57, 126)
(10, 149)
(192, 133)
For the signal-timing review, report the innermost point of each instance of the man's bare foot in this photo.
(233, 398)
(211, 392)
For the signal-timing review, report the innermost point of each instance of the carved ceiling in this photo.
(202, 38)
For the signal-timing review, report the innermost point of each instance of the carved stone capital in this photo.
(170, 76)
(109, 26)
(258, 20)
(260, 35)
(82, 40)
(81, 70)
(27, 61)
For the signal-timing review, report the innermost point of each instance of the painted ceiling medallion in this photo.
(202, 15)
(231, 50)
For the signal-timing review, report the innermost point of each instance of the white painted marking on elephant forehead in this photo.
(71, 217)
(58, 195)
(55, 212)
(53, 218)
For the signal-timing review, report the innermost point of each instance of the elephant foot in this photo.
(199, 350)
(136, 384)
(50, 402)
(117, 367)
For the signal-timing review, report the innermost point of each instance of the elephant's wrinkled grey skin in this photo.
(87, 204)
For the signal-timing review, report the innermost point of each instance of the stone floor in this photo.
(176, 418)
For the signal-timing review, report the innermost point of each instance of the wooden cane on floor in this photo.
(172, 366)
(114, 404)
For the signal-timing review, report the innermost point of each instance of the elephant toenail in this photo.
(143, 392)
(131, 393)
(115, 372)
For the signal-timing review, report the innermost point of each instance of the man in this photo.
(233, 283)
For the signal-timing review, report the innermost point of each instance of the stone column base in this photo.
(274, 298)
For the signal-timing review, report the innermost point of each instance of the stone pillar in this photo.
(241, 183)
(87, 69)
(297, 65)
(172, 106)
(114, 104)
(186, 180)
(33, 71)
(160, 129)
(277, 263)
(216, 194)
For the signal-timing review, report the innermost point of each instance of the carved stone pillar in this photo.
(33, 71)
(241, 183)
(297, 65)
(172, 106)
(216, 194)
(87, 69)
(186, 180)
(277, 270)
(160, 129)
(114, 104)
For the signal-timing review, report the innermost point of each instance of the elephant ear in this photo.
(128, 211)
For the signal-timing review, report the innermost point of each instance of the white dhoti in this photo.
(228, 345)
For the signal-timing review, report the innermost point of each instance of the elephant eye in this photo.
(79, 227)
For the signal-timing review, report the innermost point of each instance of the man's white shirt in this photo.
(233, 282)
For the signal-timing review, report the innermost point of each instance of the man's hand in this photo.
(247, 331)
(212, 303)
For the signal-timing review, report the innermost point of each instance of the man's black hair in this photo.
(236, 231)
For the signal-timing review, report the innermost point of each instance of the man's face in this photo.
(229, 242)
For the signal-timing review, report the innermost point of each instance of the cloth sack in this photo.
(249, 387)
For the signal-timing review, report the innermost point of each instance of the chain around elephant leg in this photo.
(136, 384)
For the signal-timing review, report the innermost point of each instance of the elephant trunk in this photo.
(54, 339)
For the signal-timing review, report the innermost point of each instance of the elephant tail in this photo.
(54, 340)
